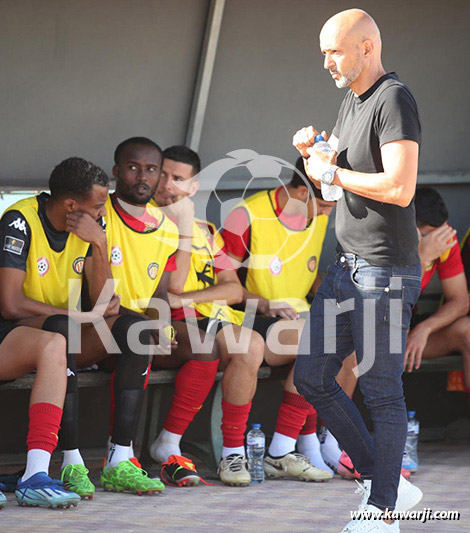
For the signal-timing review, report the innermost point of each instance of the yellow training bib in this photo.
(202, 273)
(48, 272)
(283, 263)
(138, 259)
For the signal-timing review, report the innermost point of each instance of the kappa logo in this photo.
(78, 264)
(275, 266)
(152, 270)
(43, 266)
(116, 256)
(19, 224)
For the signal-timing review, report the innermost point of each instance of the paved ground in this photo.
(278, 506)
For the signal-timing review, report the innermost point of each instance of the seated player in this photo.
(62, 244)
(24, 350)
(287, 225)
(447, 329)
(142, 242)
(206, 276)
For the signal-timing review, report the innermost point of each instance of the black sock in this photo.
(129, 380)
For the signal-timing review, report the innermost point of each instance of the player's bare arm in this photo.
(395, 185)
(454, 307)
(227, 289)
(96, 266)
(434, 244)
(161, 293)
(14, 304)
(181, 211)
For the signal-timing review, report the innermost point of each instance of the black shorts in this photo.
(261, 324)
(211, 325)
(5, 327)
(417, 319)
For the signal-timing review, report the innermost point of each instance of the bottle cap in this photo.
(319, 138)
(411, 414)
(255, 426)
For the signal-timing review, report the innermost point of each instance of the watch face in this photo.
(328, 177)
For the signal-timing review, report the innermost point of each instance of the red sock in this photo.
(112, 405)
(310, 425)
(292, 414)
(234, 419)
(192, 385)
(44, 425)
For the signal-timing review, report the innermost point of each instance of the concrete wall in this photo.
(79, 76)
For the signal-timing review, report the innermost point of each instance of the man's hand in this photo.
(305, 139)
(85, 227)
(181, 209)
(435, 243)
(113, 306)
(273, 309)
(102, 309)
(163, 343)
(318, 163)
(174, 300)
(417, 340)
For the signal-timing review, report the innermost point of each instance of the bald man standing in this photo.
(364, 303)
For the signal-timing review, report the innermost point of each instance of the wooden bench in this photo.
(207, 450)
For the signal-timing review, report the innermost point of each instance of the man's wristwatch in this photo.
(329, 175)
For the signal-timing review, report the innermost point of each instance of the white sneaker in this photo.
(363, 525)
(294, 465)
(408, 495)
(233, 471)
(330, 449)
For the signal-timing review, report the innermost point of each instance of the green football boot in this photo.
(75, 479)
(127, 477)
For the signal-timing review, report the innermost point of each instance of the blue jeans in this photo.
(366, 309)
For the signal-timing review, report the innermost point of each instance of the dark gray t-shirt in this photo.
(382, 234)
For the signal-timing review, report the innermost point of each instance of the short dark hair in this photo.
(300, 178)
(134, 140)
(75, 177)
(183, 154)
(430, 208)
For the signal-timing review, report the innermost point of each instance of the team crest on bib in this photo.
(152, 270)
(77, 265)
(275, 266)
(116, 256)
(312, 263)
(43, 266)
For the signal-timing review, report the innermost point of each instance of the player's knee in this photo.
(210, 351)
(61, 324)
(251, 358)
(464, 335)
(256, 349)
(127, 335)
(51, 349)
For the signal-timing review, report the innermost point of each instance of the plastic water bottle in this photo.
(330, 193)
(410, 455)
(255, 450)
